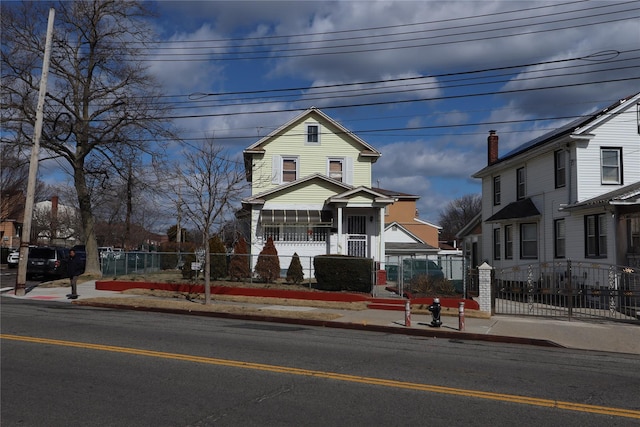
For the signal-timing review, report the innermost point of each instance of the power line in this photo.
(606, 56)
(274, 53)
(369, 38)
(369, 104)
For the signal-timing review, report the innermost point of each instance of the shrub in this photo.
(218, 258)
(427, 285)
(343, 273)
(187, 272)
(268, 265)
(295, 274)
(239, 264)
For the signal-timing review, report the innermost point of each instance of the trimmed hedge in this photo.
(343, 273)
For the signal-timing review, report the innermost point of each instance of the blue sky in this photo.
(429, 104)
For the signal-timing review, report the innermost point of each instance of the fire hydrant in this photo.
(435, 311)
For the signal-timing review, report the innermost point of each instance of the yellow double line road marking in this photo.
(533, 401)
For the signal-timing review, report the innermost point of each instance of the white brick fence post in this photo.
(484, 291)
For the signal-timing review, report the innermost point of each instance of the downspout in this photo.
(569, 181)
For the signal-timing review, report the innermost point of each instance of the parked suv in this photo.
(47, 261)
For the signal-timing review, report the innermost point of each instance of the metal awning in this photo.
(521, 209)
(305, 216)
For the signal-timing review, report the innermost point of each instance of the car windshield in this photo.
(46, 253)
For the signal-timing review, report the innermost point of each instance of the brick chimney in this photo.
(54, 217)
(492, 147)
(54, 208)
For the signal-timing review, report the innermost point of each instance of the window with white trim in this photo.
(595, 236)
(496, 243)
(559, 239)
(289, 169)
(611, 165)
(560, 168)
(529, 241)
(520, 183)
(312, 133)
(336, 169)
(496, 190)
(508, 241)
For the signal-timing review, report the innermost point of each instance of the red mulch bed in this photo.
(376, 303)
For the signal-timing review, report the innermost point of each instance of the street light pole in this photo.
(21, 278)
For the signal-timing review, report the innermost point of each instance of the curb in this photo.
(337, 325)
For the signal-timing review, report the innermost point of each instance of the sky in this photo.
(421, 81)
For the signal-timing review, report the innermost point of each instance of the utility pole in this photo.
(21, 278)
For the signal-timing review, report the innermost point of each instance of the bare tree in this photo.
(100, 97)
(458, 213)
(207, 185)
(14, 170)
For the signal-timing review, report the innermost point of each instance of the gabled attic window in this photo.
(312, 133)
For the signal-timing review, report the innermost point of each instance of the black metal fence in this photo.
(569, 289)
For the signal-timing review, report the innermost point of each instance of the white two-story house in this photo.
(311, 191)
(571, 194)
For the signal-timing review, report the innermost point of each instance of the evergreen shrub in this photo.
(295, 275)
(239, 264)
(268, 265)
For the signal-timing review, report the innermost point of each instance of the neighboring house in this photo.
(405, 235)
(311, 191)
(11, 218)
(401, 243)
(571, 194)
(405, 213)
(54, 224)
(471, 237)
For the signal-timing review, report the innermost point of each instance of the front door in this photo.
(357, 235)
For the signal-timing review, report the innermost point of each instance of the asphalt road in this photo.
(8, 278)
(65, 365)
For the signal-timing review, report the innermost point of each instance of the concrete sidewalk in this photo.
(599, 336)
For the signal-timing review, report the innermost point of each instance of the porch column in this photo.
(381, 256)
(484, 287)
(340, 239)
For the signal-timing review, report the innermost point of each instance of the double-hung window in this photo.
(312, 133)
(336, 169)
(520, 183)
(285, 169)
(559, 238)
(289, 169)
(560, 168)
(508, 241)
(529, 241)
(496, 243)
(611, 165)
(496, 190)
(595, 236)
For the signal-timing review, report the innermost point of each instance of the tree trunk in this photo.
(207, 270)
(84, 202)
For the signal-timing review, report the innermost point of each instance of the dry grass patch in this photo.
(170, 295)
(215, 307)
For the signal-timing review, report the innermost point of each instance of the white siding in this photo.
(312, 158)
(620, 131)
(583, 182)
